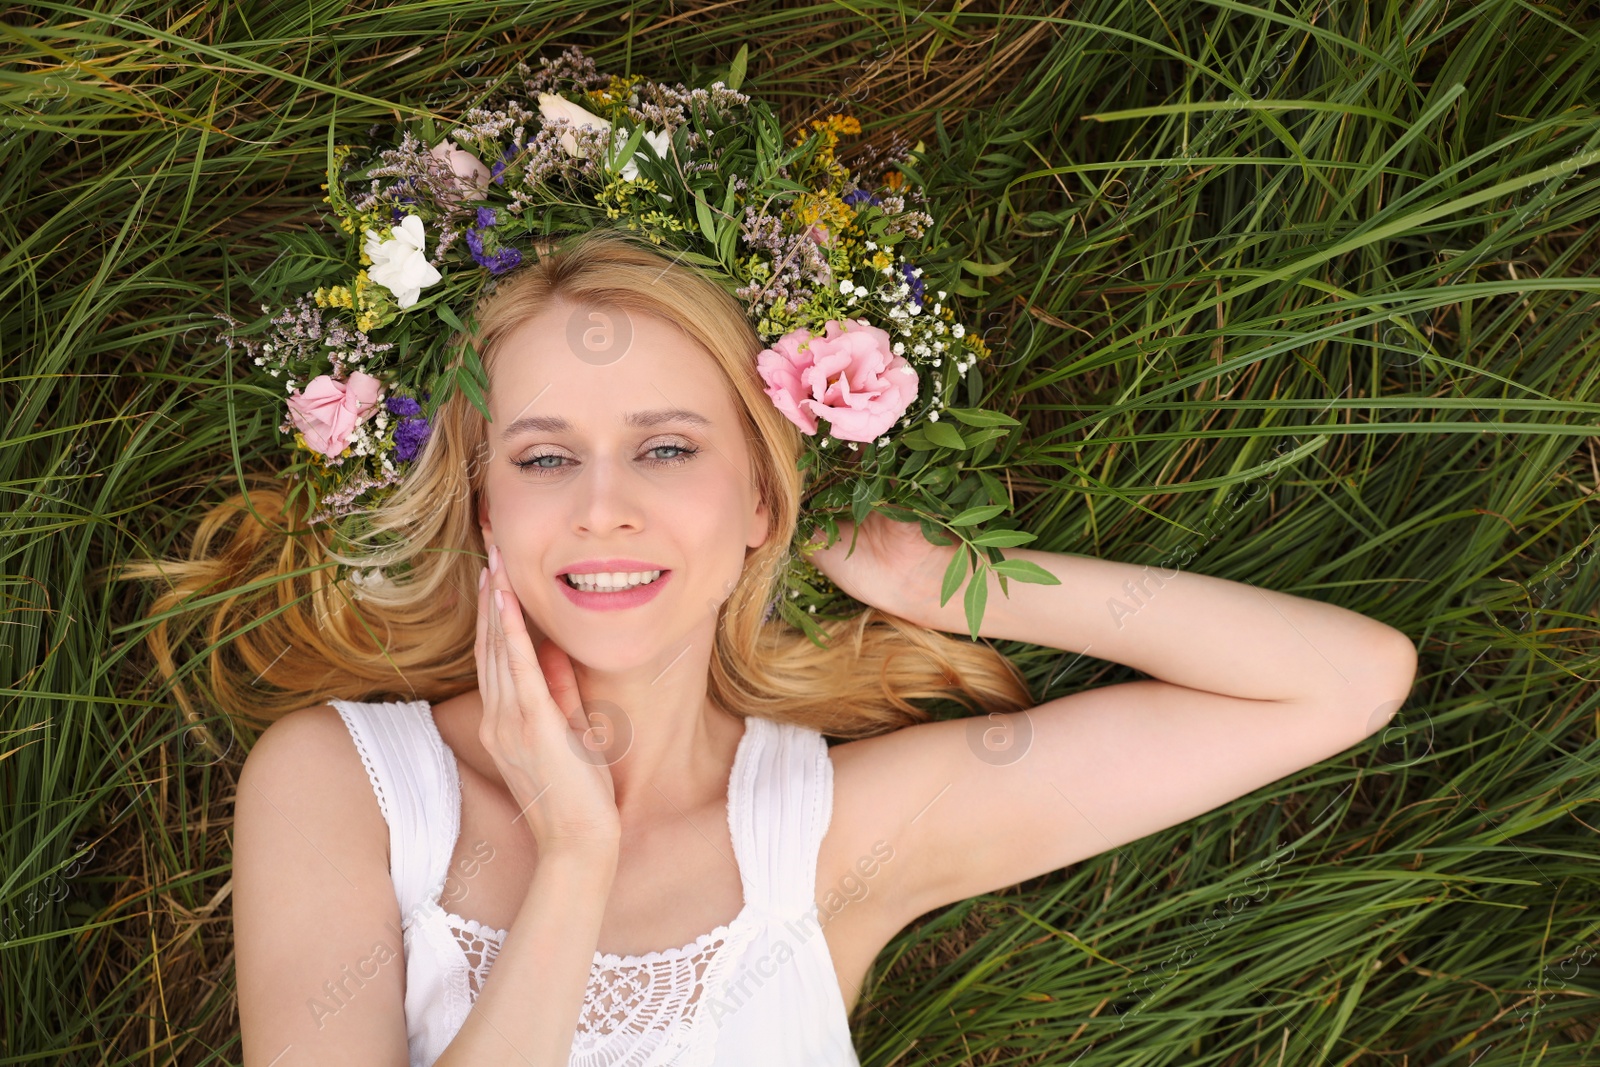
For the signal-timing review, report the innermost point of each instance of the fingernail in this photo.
(494, 559)
(483, 576)
(499, 601)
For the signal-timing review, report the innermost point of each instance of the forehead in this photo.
(590, 355)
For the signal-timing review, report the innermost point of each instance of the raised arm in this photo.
(1248, 685)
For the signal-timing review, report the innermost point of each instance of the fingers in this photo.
(521, 674)
(479, 650)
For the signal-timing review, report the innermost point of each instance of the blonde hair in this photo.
(303, 637)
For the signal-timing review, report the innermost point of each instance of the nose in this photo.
(607, 496)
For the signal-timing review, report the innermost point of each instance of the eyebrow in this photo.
(640, 419)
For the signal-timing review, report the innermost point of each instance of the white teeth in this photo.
(611, 582)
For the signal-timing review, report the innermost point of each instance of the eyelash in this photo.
(543, 472)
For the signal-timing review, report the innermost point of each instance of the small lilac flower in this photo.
(409, 436)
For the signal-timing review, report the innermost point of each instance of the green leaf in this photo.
(974, 438)
(449, 318)
(898, 513)
(470, 388)
(727, 241)
(1004, 538)
(973, 516)
(953, 575)
(961, 288)
(997, 492)
(987, 270)
(915, 440)
(942, 433)
(708, 224)
(699, 259)
(629, 147)
(981, 417)
(1025, 571)
(977, 596)
(736, 69)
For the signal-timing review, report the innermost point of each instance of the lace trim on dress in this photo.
(637, 1010)
(633, 1005)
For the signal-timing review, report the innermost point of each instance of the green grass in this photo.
(1353, 240)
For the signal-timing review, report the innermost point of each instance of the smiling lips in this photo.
(615, 599)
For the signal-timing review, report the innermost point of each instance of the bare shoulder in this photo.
(316, 924)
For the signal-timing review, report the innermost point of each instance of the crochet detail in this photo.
(632, 1006)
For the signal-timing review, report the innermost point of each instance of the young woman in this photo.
(606, 827)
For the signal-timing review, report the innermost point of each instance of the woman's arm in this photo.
(530, 1005)
(1210, 634)
(1249, 685)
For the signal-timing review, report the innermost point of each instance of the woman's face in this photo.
(578, 397)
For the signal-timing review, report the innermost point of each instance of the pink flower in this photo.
(849, 376)
(818, 234)
(328, 411)
(472, 177)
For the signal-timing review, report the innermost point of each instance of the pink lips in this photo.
(628, 598)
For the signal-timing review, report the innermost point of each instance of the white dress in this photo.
(768, 990)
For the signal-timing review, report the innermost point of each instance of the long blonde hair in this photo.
(307, 637)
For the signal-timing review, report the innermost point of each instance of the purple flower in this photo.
(855, 196)
(913, 281)
(403, 405)
(410, 436)
(486, 216)
(504, 260)
(498, 262)
(498, 171)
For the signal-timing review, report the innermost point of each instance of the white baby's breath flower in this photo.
(400, 264)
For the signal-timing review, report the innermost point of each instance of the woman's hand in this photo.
(894, 567)
(534, 726)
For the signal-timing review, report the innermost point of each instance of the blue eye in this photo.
(532, 462)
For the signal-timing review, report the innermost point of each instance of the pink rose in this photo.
(328, 411)
(849, 376)
(472, 177)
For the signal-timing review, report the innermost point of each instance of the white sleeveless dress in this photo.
(768, 992)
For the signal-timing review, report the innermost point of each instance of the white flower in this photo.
(400, 264)
(660, 143)
(846, 286)
(552, 107)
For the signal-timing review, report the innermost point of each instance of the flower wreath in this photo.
(829, 266)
